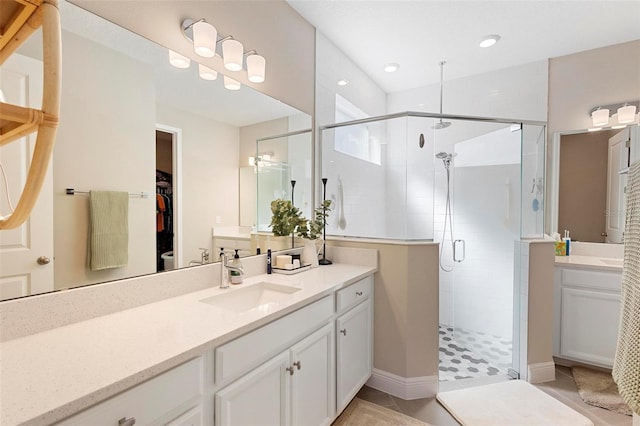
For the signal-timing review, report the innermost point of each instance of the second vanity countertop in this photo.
(590, 262)
(51, 375)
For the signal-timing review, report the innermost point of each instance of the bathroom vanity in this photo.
(278, 349)
(587, 308)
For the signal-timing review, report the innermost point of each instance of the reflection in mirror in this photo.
(592, 175)
(131, 122)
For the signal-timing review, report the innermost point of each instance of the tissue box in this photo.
(561, 248)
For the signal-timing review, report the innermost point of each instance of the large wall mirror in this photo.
(589, 175)
(131, 122)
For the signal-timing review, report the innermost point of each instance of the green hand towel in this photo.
(108, 230)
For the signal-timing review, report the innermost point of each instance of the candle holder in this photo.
(293, 233)
(324, 260)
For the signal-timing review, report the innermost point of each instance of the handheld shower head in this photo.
(446, 158)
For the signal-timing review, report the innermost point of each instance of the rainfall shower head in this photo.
(441, 125)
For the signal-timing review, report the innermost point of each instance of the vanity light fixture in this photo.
(178, 61)
(600, 117)
(489, 40)
(204, 38)
(626, 114)
(231, 84)
(256, 65)
(623, 114)
(207, 73)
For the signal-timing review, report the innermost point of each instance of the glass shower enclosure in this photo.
(475, 186)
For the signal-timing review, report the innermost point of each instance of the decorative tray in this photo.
(290, 271)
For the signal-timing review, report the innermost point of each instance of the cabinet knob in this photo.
(344, 331)
(290, 370)
(297, 364)
(358, 293)
(127, 422)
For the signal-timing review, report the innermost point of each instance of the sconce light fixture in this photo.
(204, 37)
(625, 114)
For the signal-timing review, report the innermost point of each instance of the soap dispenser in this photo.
(235, 274)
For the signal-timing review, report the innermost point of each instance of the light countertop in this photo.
(590, 262)
(51, 375)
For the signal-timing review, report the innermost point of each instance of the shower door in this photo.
(477, 280)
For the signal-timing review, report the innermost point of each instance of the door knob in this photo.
(604, 234)
(43, 260)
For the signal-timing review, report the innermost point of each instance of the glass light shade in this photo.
(207, 73)
(231, 84)
(627, 114)
(178, 61)
(255, 68)
(205, 36)
(232, 53)
(600, 117)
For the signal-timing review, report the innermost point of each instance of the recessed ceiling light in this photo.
(391, 67)
(489, 40)
(343, 82)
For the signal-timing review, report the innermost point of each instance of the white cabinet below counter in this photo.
(587, 313)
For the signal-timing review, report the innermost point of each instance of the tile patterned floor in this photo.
(563, 389)
(468, 354)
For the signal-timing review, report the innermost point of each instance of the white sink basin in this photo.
(262, 296)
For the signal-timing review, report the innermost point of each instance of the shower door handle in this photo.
(459, 254)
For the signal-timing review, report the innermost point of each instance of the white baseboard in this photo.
(542, 372)
(404, 387)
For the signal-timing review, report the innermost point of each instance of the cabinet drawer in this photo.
(354, 293)
(592, 279)
(240, 355)
(150, 401)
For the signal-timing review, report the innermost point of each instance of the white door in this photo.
(20, 248)
(313, 383)
(354, 352)
(618, 159)
(259, 398)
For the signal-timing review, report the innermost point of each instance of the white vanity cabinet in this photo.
(171, 398)
(587, 315)
(295, 386)
(354, 348)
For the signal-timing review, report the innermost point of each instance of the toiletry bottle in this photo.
(236, 276)
(268, 261)
(567, 240)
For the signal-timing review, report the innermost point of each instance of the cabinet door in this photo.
(589, 325)
(354, 352)
(259, 398)
(313, 381)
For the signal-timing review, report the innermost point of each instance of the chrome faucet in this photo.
(204, 258)
(225, 279)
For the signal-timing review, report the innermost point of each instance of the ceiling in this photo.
(419, 34)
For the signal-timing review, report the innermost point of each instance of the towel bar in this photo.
(71, 191)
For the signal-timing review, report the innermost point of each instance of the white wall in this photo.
(210, 181)
(103, 143)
